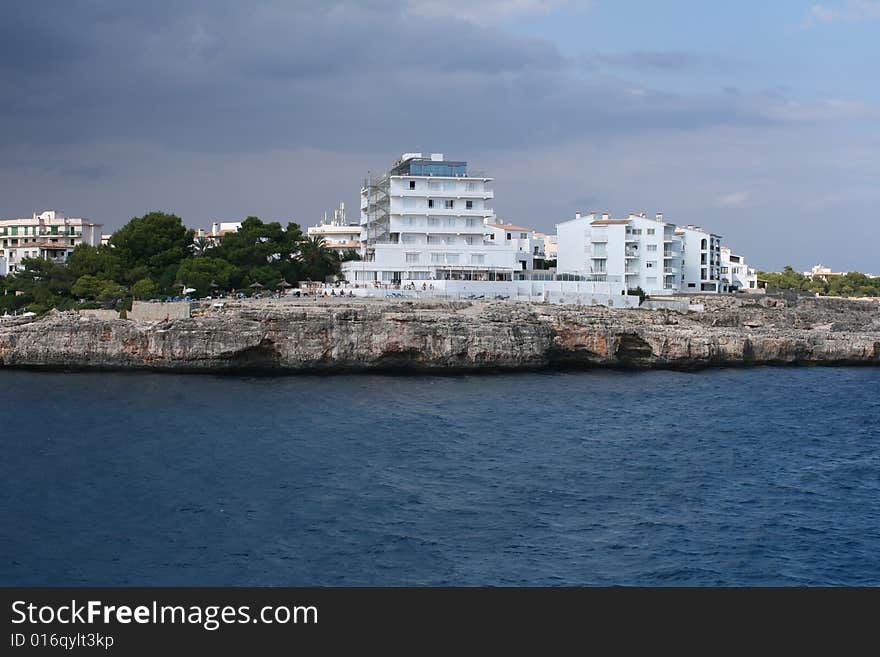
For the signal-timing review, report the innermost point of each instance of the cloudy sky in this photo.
(758, 120)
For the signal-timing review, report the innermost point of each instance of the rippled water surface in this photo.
(752, 476)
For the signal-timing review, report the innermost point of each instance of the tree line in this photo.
(852, 284)
(156, 255)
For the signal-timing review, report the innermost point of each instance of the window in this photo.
(437, 258)
(449, 204)
(651, 264)
(449, 222)
(651, 247)
(434, 185)
(637, 231)
(492, 236)
(408, 239)
(470, 239)
(478, 258)
(450, 239)
(412, 258)
(433, 221)
(409, 203)
(703, 273)
(430, 203)
(703, 245)
(469, 205)
(472, 222)
(412, 184)
(508, 235)
(452, 258)
(692, 285)
(650, 231)
(523, 236)
(471, 187)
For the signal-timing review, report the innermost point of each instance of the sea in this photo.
(760, 476)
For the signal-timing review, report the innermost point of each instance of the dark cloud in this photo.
(228, 76)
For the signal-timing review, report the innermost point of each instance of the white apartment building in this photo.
(638, 251)
(49, 235)
(529, 249)
(425, 219)
(735, 273)
(338, 234)
(700, 260)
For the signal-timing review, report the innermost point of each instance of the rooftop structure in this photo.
(337, 233)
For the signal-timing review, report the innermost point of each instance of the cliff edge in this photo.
(350, 334)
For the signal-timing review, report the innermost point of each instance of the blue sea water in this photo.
(730, 477)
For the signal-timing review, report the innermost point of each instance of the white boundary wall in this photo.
(558, 292)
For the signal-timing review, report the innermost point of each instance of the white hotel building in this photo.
(49, 235)
(635, 252)
(700, 260)
(426, 219)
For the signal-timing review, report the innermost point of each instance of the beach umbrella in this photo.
(256, 286)
(179, 286)
(213, 284)
(284, 284)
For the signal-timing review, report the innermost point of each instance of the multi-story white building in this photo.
(635, 252)
(529, 249)
(700, 260)
(735, 273)
(425, 219)
(49, 235)
(337, 233)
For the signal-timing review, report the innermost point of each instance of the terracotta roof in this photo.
(509, 227)
(608, 222)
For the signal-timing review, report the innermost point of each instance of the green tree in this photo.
(200, 272)
(145, 288)
(149, 245)
(88, 286)
(316, 260)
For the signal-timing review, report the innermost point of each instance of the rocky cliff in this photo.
(350, 334)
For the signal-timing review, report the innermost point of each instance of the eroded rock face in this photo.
(299, 336)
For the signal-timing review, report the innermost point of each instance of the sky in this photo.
(756, 120)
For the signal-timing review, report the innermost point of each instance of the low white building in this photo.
(550, 244)
(735, 273)
(822, 272)
(529, 249)
(425, 219)
(700, 260)
(635, 252)
(337, 233)
(49, 235)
